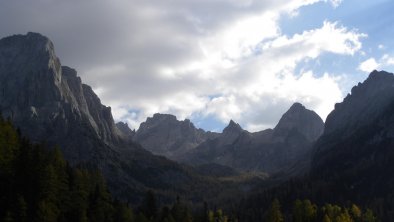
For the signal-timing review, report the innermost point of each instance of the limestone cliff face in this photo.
(47, 100)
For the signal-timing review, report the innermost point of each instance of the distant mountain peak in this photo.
(299, 118)
(125, 129)
(232, 127)
(36, 35)
(379, 75)
(297, 106)
(164, 134)
(160, 116)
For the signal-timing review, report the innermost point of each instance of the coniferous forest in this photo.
(37, 184)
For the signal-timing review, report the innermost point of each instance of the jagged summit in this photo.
(363, 104)
(30, 37)
(125, 129)
(232, 128)
(375, 74)
(164, 135)
(159, 119)
(299, 118)
(159, 116)
(297, 106)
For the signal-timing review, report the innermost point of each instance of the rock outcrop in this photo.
(164, 135)
(128, 134)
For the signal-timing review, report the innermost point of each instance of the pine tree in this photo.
(326, 218)
(298, 214)
(310, 211)
(274, 214)
(368, 216)
(355, 212)
(149, 205)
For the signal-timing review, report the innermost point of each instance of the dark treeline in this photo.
(306, 211)
(309, 200)
(37, 184)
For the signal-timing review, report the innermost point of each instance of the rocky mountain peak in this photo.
(300, 119)
(40, 66)
(163, 117)
(232, 128)
(363, 104)
(125, 130)
(47, 100)
(163, 134)
(297, 107)
(157, 120)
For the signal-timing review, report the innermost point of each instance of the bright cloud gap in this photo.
(251, 86)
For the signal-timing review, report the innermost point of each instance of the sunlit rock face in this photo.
(48, 101)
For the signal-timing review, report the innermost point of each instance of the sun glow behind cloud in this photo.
(243, 70)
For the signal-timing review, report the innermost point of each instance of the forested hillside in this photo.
(37, 184)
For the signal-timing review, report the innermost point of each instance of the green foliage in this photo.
(36, 184)
(274, 214)
(368, 216)
(356, 212)
(326, 218)
(304, 211)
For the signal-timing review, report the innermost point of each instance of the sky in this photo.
(213, 60)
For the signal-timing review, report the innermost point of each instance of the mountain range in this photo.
(269, 150)
(350, 155)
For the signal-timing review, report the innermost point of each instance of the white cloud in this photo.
(368, 65)
(387, 60)
(244, 70)
(371, 64)
(257, 88)
(336, 3)
(223, 58)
